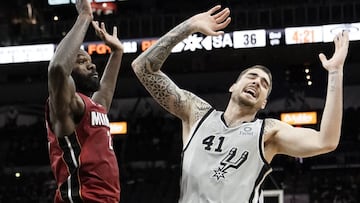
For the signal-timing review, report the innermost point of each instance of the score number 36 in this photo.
(249, 38)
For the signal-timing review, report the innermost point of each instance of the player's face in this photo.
(252, 89)
(85, 76)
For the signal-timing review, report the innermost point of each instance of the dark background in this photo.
(149, 155)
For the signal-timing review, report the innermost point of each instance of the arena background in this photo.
(149, 153)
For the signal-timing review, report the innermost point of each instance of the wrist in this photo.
(118, 51)
(336, 73)
(87, 16)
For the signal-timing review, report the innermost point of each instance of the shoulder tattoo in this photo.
(269, 124)
(200, 107)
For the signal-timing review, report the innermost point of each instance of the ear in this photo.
(231, 89)
(264, 104)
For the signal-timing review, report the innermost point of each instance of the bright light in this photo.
(55, 18)
(308, 77)
(17, 174)
(309, 83)
(307, 70)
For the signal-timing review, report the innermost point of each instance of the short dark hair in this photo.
(261, 67)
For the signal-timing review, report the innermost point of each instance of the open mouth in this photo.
(251, 92)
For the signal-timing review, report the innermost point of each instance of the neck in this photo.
(89, 94)
(236, 115)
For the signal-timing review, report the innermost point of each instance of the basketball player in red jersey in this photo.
(80, 145)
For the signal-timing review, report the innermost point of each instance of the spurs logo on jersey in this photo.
(99, 119)
(218, 161)
(230, 162)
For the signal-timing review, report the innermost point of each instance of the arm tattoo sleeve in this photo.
(157, 54)
(200, 106)
(161, 88)
(269, 124)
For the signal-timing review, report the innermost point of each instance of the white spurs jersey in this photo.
(222, 164)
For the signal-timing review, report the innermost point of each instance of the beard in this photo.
(243, 101)
(85, 83)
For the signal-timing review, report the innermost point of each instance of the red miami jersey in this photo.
(84, 163)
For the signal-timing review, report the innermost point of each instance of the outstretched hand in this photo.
(83, 7)
(336, 62)
(210, 22)
(111, 40)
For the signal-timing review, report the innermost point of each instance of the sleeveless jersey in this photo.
(84, 163)
(223, 164)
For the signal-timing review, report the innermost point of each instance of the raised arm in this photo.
(181, 103)
(305, 142)
(63, 102)
(108, 80)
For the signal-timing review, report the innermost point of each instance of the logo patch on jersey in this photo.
(247, 131)
(99, 119)
(229, 162)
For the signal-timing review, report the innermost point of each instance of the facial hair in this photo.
(241, 100)
(85, 84)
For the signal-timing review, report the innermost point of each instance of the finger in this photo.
(345, 38)
(115, 31)
(322, 58)
(224, 24)
(95, 24)
(219, 33)
(103, 26)
(214, 9)
(220, 17)
(336, 41)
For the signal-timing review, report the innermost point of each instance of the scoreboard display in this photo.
(302, 35)
(61, 2)
(249, 38)
(238, 39)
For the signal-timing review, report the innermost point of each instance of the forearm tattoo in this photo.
(157, 54)
(157, 83)
(160, 87)
(332, 80)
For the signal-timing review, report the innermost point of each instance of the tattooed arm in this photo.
(146, 66)
(304, 142)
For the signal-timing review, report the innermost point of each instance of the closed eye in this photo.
(265, 83)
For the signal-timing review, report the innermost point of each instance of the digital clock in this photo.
(302, 35)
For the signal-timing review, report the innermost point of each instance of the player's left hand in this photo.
(111, 40)
(336, 62)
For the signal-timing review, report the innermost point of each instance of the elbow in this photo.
(329, 147)
(137, 66)
(56, 70)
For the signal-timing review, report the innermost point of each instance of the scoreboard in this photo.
(294, 35)
(249, 38)
(302, 35)
(61, 2)
(238, 39)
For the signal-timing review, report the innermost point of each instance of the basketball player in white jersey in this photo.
(226, 155)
